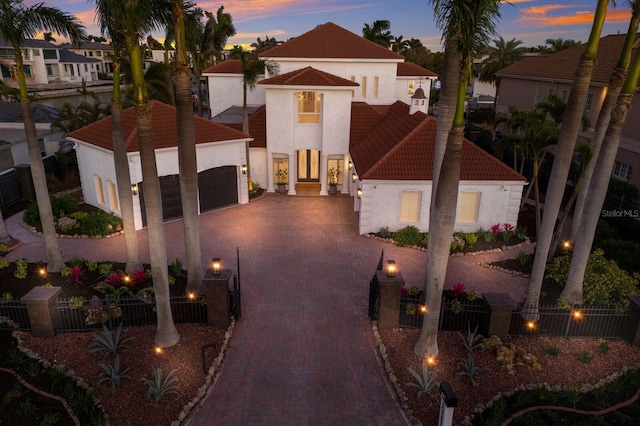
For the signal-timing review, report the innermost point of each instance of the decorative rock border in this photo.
(34, 231)
(505, 270)
(527, 241)
(210, 379)
(381, 351)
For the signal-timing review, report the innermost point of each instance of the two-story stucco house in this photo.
(531, 80)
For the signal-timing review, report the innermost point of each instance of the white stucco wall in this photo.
(403, 83)
(225, 91)
(258, 157)
(381, 201)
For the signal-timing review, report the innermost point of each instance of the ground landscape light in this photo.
(158, 350)
(577, 314)
(216, 266)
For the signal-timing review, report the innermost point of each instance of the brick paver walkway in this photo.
(303, 352)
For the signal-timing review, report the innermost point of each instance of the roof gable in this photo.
(308, 76)
(164, 129)
(409, 69)
(331, 41)
(230, 66)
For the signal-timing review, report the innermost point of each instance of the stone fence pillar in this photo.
(216, 291)
(389, 300)
(42, 315)
(501, 306)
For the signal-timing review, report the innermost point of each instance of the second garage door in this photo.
(218, 187)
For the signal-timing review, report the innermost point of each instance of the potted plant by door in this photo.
(333, 180)
(282, 181)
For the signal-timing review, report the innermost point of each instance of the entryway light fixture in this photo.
(350, 164)
(354, 177)
(392, 268)
(359, 194)
(244, 169)
(134, 189)
(216, 266)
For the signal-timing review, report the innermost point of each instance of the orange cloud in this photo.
(541, 16)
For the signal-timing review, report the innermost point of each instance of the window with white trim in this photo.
(589, 102)
(364, 86)
(375, 86)
(99, 190)
(113, 197)
(410, 206)
(353, 92)
(468, 207)
(309, 104)
(622, 171)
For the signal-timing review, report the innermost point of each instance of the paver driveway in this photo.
(303, 352)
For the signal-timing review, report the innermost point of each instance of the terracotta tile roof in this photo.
(562, 65)
(401, 147)
(308, 76)
(257, 127)
(409, 69)
(330, 41)
(230, 66)
(363, 118)
(165, 133)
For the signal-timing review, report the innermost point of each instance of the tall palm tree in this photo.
(613, 90)
(571, 123)
(121, 160)
(572, 291)
(466, 24)
(378, 33)
(252, 68)
(187, 148)
(501, 55)
(400, 45)
(132, 18)
(18, 22)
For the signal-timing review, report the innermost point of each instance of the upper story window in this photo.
(309, 104)
(36, 52)
(7, 53)
(50, 53)
(375, 86)
(98, 53)
(587, 104)
(91, 53)
(364, 86)
(622, 171)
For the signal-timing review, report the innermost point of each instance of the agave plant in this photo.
(112, 373)
(424, 383)
(108, 342)
(159, 387)
(473, 340)
(469, 368)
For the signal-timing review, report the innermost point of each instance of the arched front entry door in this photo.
(308, 165)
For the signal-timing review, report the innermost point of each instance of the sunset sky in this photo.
(532, 21)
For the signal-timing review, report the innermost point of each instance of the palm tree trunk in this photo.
(572, 291)
(557, 234)
(166, 332)
(187, 154)
(571, 123)
(615, 85)
(123, 176)
(4, 235)
(536, 193)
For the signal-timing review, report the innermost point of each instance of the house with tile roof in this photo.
(347, 111)
(220, 154)
(531, 80)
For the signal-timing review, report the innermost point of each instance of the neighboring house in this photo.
(525, 83)
(220, 151)
(344, 107)
(94, 50)
(46, 63)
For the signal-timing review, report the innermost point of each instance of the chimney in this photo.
(419, 102)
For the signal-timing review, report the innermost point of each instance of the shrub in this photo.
(60, 206)
(3, 262)
(523, 258)
(585, 356)
(521, 232)
(488, 236)
(407, 237)
(425, 383)
(603, 347)
(624, 253)
(21, 269)
(553, 350)
(605, 284)
(99, 224)
(384, 232)
(175, 269)
(159, 387)
(470, 238)
(105, 268)
(425, 240)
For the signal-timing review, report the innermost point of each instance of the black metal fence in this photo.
(14, 314)
(75, 315)
(455, 314)
(609, 323)
(374, 291)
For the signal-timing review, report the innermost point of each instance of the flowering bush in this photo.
(76, 273)
(458, 289)
(138, 277)
(114, 279)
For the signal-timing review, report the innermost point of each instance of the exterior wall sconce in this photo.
(216, 266)
(134, 189)
(244, 169)
(354, 177)
(359, 194)
(350, 164)
(392, 268)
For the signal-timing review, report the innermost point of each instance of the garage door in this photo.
(171, 201)
(218, 187)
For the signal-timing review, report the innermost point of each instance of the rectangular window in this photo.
(50, 53)
(622, 171)
(91, 54)
(375, 87)
(565, 94)
(98, 53)
(6, 53)
(36, 52)
(309, 107)
(113, 196)
(43, 150)
(468, 207)
(538, 97)
(364, 86)
(335, 168)
(587, 104)
(99, 190)
(49, 70)
(549, 92)
(410, 206)
(86, 69)
(280, 170)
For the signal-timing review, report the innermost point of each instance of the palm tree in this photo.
(133, 18)
(187, 149)
(503, 54)
(260, 46)
(4, 235)
(466, 25)
(399, 45)
(121, 160)
(18, 22)
(558, 44)
(572, 291)
(378, 33)
(614, 87)
(252, 68)
(571, 123)
(48, 37)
